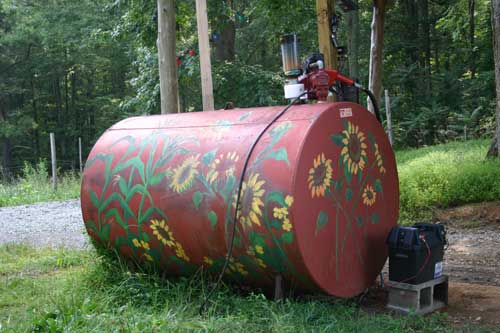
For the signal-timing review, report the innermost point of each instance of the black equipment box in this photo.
(416, 253)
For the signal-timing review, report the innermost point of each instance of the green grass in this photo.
(434, 177)
(35, 186)
(446, 175)
(56, 290)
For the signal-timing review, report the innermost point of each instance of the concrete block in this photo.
(419, 298)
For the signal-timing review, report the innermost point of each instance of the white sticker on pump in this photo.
(345, 113)
(438, 269)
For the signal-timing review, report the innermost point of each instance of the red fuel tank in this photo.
(319, 196)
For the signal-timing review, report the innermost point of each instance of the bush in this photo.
(446, 175)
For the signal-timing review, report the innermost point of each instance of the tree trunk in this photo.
(426, 45)
(495, 22)
(224, 47)
(376, 48)
(60, 117)
(36, 140)
(472, 61)
(6, 145)
(353, 33)
(169, 85)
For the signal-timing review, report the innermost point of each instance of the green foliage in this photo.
(75, 68)
(446, 175)
(85, 292)
(441, 83)
(35, 186)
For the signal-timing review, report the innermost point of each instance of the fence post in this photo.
(80, 153)
(53, 159)
(388, 114)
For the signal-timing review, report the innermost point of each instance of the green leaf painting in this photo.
(278, 155)
(321, 221)
(287, 237)
(209, 157)
(276, 197)
(197, 197)
(337, 139)
(348, 194)
(212, 217)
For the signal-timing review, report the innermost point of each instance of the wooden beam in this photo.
(169, 86)
(325, 9)
(205, 63)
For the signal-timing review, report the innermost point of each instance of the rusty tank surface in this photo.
(319, 196)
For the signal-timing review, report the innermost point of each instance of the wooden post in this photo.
(53, 159)
(388, 114)
(204, 49)
(80, 154)
(325, 9)
(167, 58)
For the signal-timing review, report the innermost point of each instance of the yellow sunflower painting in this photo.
(184, 174)
(249, 208)
(222, 164)
(369, 195)
(320, 176)
(162, 232)
(354, 150)
(380, 161)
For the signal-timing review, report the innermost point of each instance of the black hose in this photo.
(240, 185)
(374, 103)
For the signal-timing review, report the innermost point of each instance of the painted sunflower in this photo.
(184, 174)
(180, 253)
(249, 208)
(208, 261)
(162, 232)
(261, 263)
(380, 161)
(223, 164)
(140, 244)
(237, 267)
(320, 176)
(354, 150)
(369, 195)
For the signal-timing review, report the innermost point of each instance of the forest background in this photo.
(76, 67)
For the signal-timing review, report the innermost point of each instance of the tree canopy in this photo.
(76, 67)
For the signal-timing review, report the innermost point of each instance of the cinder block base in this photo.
(418, 298)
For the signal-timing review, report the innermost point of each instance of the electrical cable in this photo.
(236, 209)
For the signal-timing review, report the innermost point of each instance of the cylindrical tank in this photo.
(319, 196)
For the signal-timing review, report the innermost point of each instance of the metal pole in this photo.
(53, 159)
(80, 153)
(388, 114)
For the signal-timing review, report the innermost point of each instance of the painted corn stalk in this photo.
(319, 195)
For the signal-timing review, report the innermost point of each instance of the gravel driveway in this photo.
(44, 224)
(473, 255)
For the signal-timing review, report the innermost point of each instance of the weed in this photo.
(92, 294)
(35, 186)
